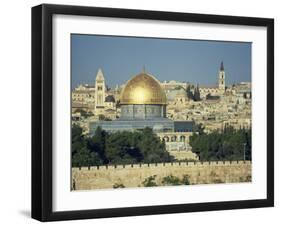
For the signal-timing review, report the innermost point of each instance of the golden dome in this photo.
(143, 89)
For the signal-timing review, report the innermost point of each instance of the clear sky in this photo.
(167, 59)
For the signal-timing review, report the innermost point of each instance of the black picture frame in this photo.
(42, 107)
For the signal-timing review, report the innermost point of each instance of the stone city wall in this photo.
(87, 178)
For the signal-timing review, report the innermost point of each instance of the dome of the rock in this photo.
(143, 89)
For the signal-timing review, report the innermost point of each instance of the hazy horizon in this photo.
(193, 61)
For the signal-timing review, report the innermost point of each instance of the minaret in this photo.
(221, 80)
(99, 90)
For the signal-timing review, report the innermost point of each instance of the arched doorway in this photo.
(182, 138)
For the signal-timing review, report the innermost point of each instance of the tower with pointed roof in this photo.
(221, 80)
(99, 90)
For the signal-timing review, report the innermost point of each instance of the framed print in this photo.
(145, 112)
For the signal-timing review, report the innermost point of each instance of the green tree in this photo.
(123, 147)
(230, 144)
(121, 150)
(82, 154)
(152, 148)
(96, 144)
(199, 128)
(77, 141)
(197, 94)
(150, 181)
(85, 158)
(118, 185)
(185, 180)
(171, 180)
(189, 93)
(76, 134)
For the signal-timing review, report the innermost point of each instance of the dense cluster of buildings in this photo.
(167, 107)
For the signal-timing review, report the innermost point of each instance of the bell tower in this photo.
(221, 80)
(99, 90)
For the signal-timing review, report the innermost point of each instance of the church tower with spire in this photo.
(99, 90)
(221, 80)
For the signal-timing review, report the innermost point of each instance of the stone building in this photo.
(177, 144)
(99, 93)
(96, 100)
(143, 104)
(172, 85)
(165, 107)
(82, 100)
(215, 90)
